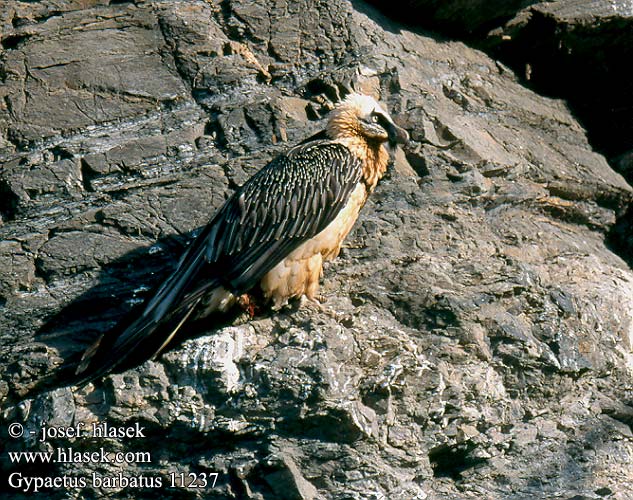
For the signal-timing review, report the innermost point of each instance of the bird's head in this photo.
(359, 115)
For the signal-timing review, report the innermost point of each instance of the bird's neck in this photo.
(373, 155)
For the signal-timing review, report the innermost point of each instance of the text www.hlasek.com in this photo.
(68, 455)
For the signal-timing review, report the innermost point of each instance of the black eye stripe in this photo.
(383, 121)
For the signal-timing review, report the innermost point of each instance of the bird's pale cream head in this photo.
(360, 115)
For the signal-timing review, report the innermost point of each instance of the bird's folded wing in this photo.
(285, 204)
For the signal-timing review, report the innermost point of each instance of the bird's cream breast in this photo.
(298, 274)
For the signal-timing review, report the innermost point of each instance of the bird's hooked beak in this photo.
(396, 135)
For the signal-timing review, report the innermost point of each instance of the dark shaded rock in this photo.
(459, 18)
(288, 482)
(621, 237)
(479, 335)
(575, 49)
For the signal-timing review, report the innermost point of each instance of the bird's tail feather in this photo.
(147, 335)
(141, 340)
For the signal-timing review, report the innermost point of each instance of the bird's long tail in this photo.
(145, 335)
(139, 341)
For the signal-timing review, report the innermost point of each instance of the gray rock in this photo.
(480, 327)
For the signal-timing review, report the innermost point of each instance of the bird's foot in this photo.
(316, 304)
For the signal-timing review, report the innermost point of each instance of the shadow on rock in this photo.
(620, 237)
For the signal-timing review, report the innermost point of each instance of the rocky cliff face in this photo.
(479, 342)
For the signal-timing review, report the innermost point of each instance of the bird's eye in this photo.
(374, 118)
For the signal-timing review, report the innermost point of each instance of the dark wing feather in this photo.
(286, 203)
(283, 205)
